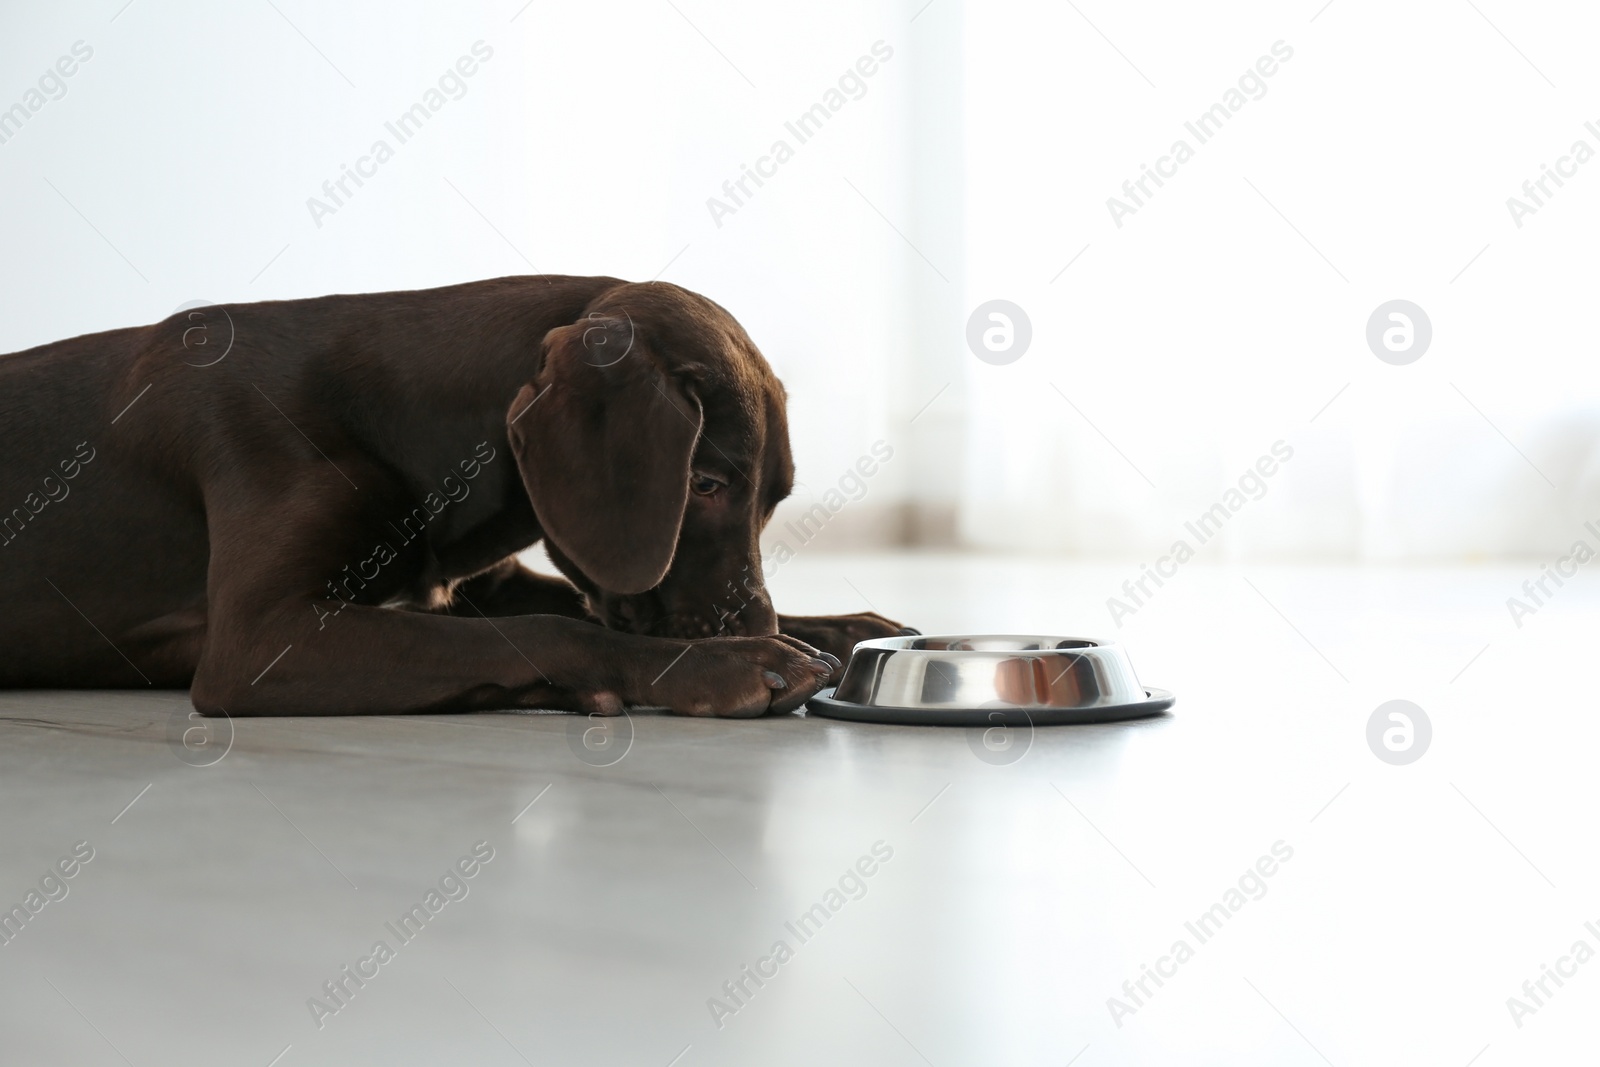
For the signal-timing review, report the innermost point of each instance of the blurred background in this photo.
(934, 156)
(1207, 347)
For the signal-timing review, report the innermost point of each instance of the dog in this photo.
(313, 507)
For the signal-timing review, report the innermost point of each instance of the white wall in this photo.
(589, 143)
(1205, 328)
(976, 166)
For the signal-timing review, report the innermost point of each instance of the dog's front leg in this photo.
(371, 660)
(838, 634)
(281, 639)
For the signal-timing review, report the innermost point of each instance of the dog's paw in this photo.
(742, 677)
(838, 635)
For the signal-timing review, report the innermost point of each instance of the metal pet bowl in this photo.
(981, 680)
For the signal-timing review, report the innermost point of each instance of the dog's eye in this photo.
(705, 484)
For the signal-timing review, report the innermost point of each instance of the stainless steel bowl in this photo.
(980, 680)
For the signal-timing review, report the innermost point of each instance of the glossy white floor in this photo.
(1012, 893)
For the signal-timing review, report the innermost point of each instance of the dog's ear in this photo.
(604, 439)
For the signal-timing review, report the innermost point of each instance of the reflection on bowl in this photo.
(990, 678)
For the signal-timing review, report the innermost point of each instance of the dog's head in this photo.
(654, 446)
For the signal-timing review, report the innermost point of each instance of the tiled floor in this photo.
(1012, 892)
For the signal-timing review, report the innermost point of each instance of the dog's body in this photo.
(313, 506)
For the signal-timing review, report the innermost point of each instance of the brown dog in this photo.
(313, 506)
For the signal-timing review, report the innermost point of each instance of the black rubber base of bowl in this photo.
(1156, 701)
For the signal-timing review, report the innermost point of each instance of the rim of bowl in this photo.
(907, 643)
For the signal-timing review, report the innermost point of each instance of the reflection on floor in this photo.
(1242, 882)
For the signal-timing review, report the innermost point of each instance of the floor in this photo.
(1008, 902)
